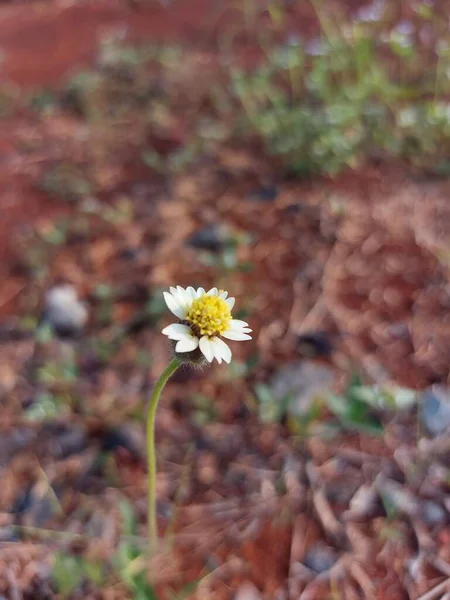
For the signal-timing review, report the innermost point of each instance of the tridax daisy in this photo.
(204, 317)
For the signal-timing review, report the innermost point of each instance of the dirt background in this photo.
(257, 510)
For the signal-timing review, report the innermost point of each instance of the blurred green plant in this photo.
(130, 560)
(369, 87)
(46, 406)
(241, 369)
(352, 411)
(360, 405)
(359, 90)
(67, 182)
(130, 100)
(64, 372)
(204, 409)
(226, 260)
(128, 565)
(70, 571)
(270, 409)
(105, 295)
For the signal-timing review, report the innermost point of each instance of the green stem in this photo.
(151, 453)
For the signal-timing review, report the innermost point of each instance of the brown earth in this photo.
(250, 501)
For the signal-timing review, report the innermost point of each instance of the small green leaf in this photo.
(67, 573)
(94, 572)
(129, 521)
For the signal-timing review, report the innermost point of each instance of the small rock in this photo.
(22, 501)
(396, 496)
(320, 558)
(12, 331)
(129, 253)
(341, 490)
(211, 237)
(13, 442)
(68, 442)
(8, 534)
(433, 513)
(265, 193)
(122, 437)
(303, 381)
(435, 410)
(364, 504)
(41, 511)
(36, 505)
(63, 310)
(314, 344)
(247, 591)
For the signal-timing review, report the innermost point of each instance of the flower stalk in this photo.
(203, 319)
(151, 451)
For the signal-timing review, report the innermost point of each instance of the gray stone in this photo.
(320, 558)
(247, 591)
(265, 193)
(64, 311)
(433, 513)
(364, 504)
(435, 410)
(13, 442)
(211, 238)
(303, 381)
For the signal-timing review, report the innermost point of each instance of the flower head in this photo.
(204, 317)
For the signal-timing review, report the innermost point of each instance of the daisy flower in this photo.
(204, 318)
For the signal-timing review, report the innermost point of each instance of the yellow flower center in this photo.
(209, 315)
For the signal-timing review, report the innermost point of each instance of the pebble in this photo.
(247, 591)
(303, 381)
(314, 344)
(266, 193)
(64, 311)
(435, 410)
(320, 558)
(433, 513)
(210, 238)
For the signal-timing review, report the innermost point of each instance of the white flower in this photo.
(205, 317)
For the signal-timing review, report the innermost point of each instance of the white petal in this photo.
(176, 295)
(174, 305)
(230, 302)
(223, 295)
(191, 292)
(236, 335)
(187, 345)
(178, 298)
(200, 292)
(237, 325)
(176, 331)
(222, 349)
(240, 329)
(216, 349)
(182, 293)
(183, 297)
(213, 292)
(206, 348)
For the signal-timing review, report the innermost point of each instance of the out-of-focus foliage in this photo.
(358, 91)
